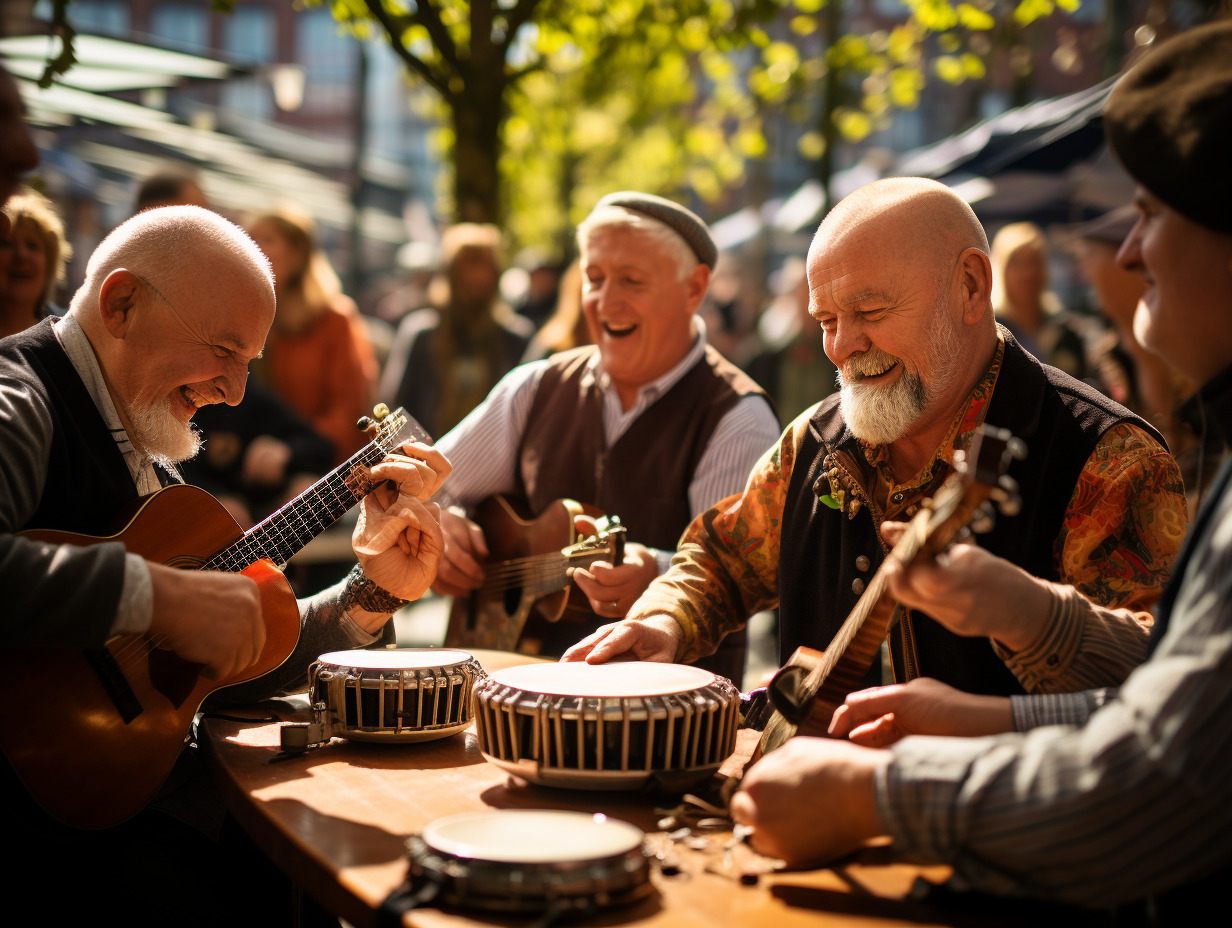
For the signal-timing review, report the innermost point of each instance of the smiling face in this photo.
(639, 311)
(1185, 315)
(23, 268)
(184, 345)
(902, 307)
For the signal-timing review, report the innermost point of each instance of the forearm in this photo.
(1081, 645)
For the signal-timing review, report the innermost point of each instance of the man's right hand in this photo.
(651, 639)
(459, 571)
(880, 716)
(208, 617)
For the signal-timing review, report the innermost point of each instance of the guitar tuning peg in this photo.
(983, 519)
(366, 424)
(380, 411)
(1016, 448)
(1009, 500)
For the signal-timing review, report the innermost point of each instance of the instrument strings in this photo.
(523, 571)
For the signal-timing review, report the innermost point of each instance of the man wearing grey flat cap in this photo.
(1107, 797)
(649, 423)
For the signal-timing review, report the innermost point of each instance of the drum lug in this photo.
(298, 737)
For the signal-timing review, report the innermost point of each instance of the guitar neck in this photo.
(282, 535)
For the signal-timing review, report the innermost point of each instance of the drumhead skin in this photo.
(532, 836)
(605, 681)
(396, 658)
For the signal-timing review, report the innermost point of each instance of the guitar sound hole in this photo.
(512, 599)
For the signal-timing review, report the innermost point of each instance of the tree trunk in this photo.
(477, 118)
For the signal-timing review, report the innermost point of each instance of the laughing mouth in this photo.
(619, 331)
(193, 398)
(873, 370)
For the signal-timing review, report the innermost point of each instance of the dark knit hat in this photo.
(682, 221)
(1169, 121)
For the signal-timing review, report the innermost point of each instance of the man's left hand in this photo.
(613, 590)
(811, 801)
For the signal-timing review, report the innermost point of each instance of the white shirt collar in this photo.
(76, 345)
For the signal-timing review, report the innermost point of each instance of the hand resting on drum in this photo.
(879, 716)
(812, 800)
(654, 638)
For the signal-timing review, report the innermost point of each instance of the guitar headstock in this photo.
(608, 542)
(390, 430)
(965, 502)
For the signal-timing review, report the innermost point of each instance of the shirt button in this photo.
(857, 586)
(897, 497)
(863, 563)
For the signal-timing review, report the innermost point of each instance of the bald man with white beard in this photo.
(96, 409)
(900, 283)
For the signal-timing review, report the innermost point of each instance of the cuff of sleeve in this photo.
(1052, 653)
(357, 635)
(663, 559)
(136, 607)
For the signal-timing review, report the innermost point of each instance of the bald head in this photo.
(179, 246)
(916, 217)
(899, 278)
(176, 302)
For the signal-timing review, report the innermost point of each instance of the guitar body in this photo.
(94, 754)
(503, 617)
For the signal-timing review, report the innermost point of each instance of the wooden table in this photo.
(337, 818)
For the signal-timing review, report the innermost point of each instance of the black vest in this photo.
(1060, 419)
(88, 482)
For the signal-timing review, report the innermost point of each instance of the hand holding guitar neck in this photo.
(815, 684)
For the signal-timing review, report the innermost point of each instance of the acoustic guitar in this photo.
(807, 690)
(526, 583)
(93, 734)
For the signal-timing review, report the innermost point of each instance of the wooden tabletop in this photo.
(337, 819)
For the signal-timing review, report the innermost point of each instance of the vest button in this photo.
(857, 586)
(897, 497)
(863, 563)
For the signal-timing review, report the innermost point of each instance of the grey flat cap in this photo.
(683, 221)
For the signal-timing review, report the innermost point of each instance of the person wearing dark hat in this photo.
(1106, 797)
(650, 423)
(899, 279)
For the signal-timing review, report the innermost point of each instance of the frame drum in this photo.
(530, 860)
(400, 695)
(607, 726)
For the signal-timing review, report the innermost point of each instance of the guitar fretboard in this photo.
(289, 529)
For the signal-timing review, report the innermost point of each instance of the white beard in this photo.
(880, 415)
(162, 436)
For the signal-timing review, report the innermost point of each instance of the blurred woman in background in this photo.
(32, 261)
(317, 356)
(1024, 304)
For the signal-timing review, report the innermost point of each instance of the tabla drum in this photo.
(399, 695)
(607, 726)
(530, 860)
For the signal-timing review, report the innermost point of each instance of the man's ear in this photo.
(975, 285)
(117, 301)
(696, 284)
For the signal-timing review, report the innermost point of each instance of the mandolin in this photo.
(806, 691)
(526, 582)
(94, 748)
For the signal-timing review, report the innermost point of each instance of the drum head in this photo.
(396, 658)
(532, 836)
(605, 681)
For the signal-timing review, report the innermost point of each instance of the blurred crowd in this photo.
(454, 316)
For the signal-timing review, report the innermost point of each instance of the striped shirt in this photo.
(483, 447)
(1112, 795)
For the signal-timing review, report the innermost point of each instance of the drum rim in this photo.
(346, 660)
(602, 685)
(629, 830)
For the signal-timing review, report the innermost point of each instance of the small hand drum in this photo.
(527, 860)
(607, 726)
(402, 695)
